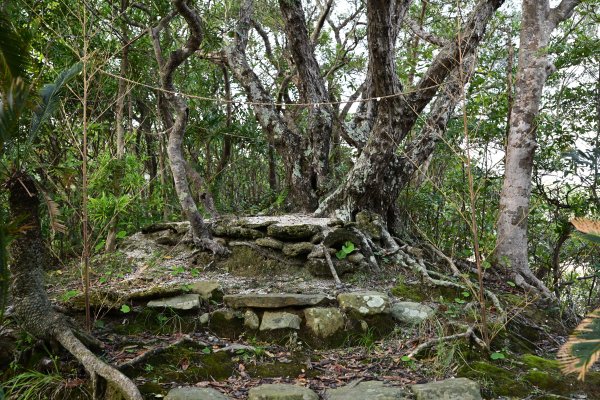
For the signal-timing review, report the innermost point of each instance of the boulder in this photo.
(275, 300)
(273, 320)
(208, 290)
(194, 393)
(297, 249)
(251, 320)
(293, 232)
(324, 321)
(411, 313)
(189, 301)
(356, 258)
(450, 389)
(270, 243)
(281, 392)
(371, 390)
(365, 302)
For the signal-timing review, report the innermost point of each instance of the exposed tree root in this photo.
(529, 282)
(96, 367)
(367, 247)
(32, 308)
(158, 350)
(470, 333)
(330, 264)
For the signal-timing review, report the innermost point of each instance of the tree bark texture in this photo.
(32, 308)
(312, 90)
(533, 68)
(174, 112)
(287, 139)
(373, 183)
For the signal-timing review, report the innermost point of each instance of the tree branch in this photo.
(562, 12)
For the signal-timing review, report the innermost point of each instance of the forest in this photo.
(284, 199)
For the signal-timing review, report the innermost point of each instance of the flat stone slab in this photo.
(279, 320)
(208, 290)
(372, 390)
(194, 393)
(450, 389)
(183, 302)
(365, 302)
(411, 313)
(281, 392)
(273, 300)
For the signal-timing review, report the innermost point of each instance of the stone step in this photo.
(274, 300)
(279, 391)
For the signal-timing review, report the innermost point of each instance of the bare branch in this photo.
(562, 12)
(423, 34)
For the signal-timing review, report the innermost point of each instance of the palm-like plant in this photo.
(582, 349)
(15, 101)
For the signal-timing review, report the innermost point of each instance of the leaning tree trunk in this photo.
(533, 69)
(32, 308)
(174, 112)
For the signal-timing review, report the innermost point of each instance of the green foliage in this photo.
(33, 385)
(49, 98)
(14, 51)
(346, 249)
(125, 309)
(69, 294)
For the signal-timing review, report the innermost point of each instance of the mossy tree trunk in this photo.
(32, 308)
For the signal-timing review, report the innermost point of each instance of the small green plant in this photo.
(170, 318)
(367, 339)
(195, 273)
(346, 249)
(186, 288)
(148, 368)
(497, 356)
(69, 294)
(177, 270)
(125, 309)
(34, 385)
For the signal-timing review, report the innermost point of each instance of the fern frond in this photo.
(54, 214)
(50, 95)
(582, 349)
(588, 226)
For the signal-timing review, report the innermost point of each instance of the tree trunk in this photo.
(32, 308)
(373, 183)
(533, 68)
(297, 151)
(312, 90)
(174, 113)
(111, 236)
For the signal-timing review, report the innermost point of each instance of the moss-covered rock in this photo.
(270, 243)
(495, 380)
(293, 232)
(530, 375)
(297, 249)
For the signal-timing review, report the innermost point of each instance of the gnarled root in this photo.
(96, 367)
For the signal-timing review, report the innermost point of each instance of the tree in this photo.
(32, 308)
(533, 68)
(373, 183)
(174, 114)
